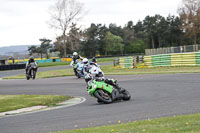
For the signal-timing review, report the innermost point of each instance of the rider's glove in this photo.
(102, 78)
(87, 76)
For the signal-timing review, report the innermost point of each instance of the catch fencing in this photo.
(169, 50)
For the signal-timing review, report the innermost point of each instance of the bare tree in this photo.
(190, 17)
(74, 37)
(63, 14)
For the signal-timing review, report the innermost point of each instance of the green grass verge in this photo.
(13, 102)
(110, 70)
(177, 124)
(52, 64)
(46, 74)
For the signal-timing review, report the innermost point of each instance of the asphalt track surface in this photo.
(152, 96)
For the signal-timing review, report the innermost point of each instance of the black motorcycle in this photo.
(31, 72)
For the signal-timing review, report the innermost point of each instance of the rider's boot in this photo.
(121, 90)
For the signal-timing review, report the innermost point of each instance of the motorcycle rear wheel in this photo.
(103, 96)
(127, 95)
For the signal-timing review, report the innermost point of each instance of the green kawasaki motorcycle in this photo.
(107, 91)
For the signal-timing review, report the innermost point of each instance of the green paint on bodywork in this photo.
(99, 85)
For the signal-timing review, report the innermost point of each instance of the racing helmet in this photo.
(94, 59)
(75, 53)
(31, 58)
(85, 61)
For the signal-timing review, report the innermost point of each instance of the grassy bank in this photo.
(13, 102)
(110, 70)
(176, 124)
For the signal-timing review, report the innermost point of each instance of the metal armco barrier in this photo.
(176, 59)
(12, 67)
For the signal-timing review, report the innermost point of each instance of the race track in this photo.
(153, 96)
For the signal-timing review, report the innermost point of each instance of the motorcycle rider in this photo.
(75, 57)
(28, 64)
(94, 59)
(88, 76)
(93, 62)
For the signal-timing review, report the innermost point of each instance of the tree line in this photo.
(152, 32)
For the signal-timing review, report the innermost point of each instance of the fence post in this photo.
(134, 62)
(114, 62)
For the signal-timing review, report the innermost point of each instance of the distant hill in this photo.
(10, 50)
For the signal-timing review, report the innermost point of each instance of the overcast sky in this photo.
(23, 22)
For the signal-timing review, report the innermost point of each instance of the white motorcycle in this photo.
(96, 71)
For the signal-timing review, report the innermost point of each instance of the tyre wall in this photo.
(177, 59)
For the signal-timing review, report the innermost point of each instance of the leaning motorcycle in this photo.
(107, 93)
(31, 73)
(96, 71)
(78, 68)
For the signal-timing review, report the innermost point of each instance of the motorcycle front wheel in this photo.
(76, 73)
(34, 74)
(27, 77)
(103, 96)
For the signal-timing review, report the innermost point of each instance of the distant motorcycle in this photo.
(78, 68)
(107, 93)
(96, 71)
(31, 73)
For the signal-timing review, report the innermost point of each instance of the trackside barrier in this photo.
(12, 67)
(126, 62)
(66, 59)
(129, 62)
(39, 60)
(57, 60)
(177, 59)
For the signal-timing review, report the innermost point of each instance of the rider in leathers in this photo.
(28, 64)
(89, 77)
(75, 57)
